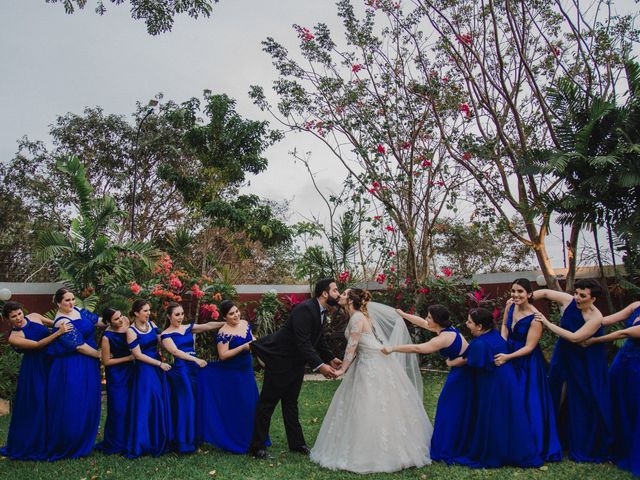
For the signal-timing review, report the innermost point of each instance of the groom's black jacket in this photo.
(298, 341)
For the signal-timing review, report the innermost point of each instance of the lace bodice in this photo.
(360, 339)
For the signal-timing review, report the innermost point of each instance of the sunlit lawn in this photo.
(314, 401)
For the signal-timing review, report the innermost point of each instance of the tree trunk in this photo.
(603, 279)
(537, 243)
(572, 249)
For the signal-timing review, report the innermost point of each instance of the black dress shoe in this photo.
(261, 454)
(303, 449)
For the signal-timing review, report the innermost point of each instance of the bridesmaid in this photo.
(522, 335)
(585, 426)
(118, 362)
(497, 436)
(27, 431)
(149, 414)
(450, 425)
(178, 340)
(624, 376)
(73, 396)
(227, 390)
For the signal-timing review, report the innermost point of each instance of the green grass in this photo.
(314, 401)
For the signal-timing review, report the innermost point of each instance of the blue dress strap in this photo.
(634, 319)
(136, 341)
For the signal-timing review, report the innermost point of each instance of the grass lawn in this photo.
(210, 463)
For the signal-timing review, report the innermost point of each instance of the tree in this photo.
(480, 246)
(88, 256)
(358, 101)
(158, 15)
(502, 56)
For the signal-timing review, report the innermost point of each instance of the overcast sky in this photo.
(53, 63)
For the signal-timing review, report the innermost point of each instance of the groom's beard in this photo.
(332, 302)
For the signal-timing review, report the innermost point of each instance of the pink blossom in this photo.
(175, 282)
(425, 163)
(405, 145)
(423, 290)
(391, 254)
(464, 108)
(445, 79)
(377, 217)
(135, 288)
(356, 68)
(465, 39)
(344, 276)
(447, 272)
(304, 34)
(392, 269)
(466, 156)
(380, 149)
(381, 278)
(196, 291)
(389, 228)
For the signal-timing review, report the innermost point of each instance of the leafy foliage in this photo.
(158, 15)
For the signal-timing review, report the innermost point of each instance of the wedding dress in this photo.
(376, 421)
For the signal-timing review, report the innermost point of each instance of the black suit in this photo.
(285, 354)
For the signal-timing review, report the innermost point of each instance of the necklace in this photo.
(141, 330)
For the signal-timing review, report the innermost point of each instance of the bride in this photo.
(376, 421)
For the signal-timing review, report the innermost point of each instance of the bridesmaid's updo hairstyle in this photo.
(440, 315)
(225, 308)
(9, 307)
(59, 295)
(526, 284)
(171, 306)
(360, 298)
(107, 315)
(482, 317)
(137, 306)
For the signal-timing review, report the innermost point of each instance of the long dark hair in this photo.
(482, 317)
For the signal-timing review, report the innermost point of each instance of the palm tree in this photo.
(87, 256)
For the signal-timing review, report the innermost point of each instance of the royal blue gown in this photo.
(149, 411)
(624, 375)
(532, 374)
(227, 398)
(496, 435)
(73, 397)
(27, 439)
(585, 427)
(119, 378)
(454, 407)
(182, 380)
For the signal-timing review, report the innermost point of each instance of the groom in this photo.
(285, 353)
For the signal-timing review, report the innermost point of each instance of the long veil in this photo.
(391, 330)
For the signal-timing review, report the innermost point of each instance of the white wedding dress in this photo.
(376, 421)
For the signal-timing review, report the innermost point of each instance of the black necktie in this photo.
(323, 317)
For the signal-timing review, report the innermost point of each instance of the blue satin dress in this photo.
(27, 439)
(625, 397)
(182, 388)
(119, 381)
(454, 407)
(585, 426)
(496, 436)
(227, 398)
(149, 412)
(532, 374)
(73, 397)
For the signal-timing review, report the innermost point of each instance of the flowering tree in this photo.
(358, 100)
(502, 57)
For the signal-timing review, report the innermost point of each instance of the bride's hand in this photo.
(387, 350)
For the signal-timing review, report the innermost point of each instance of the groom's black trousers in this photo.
(278, 387)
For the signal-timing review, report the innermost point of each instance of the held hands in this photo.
(336, 363)
(328, 371)
(587, 343)
(201, 363)
(165, 366)
(500, 359)
(387, 350)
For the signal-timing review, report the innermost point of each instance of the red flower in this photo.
(304, 34)
(466, 156)
(405, 145)
(377, 217)
(423, 290)
(175, 282)
(465, 39)
(135, 288)
(445, 79)
(555, 50)
(392, 269)
(391, 254)
(381, 278)
(380, 148)
(464, 108)
(425, 164)
(447, 272)
(196, 291)
(356, 68)
(344, 276)
(389, 228)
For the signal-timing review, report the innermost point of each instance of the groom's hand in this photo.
(327, 370)
(335, 363)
